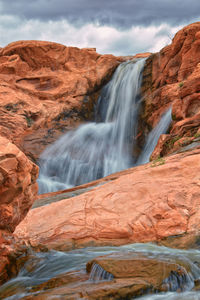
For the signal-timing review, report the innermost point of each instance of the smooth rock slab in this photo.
(149, 203)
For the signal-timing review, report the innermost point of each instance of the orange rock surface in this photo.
(47, 88)
(172, 76)
(18, 190)
(149, 203)
(18, 187)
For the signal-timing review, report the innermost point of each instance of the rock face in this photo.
(149, 203)
(46, 88)
(172, 77)
(18, 187)
(18, 190)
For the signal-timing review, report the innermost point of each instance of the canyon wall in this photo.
(172, 77)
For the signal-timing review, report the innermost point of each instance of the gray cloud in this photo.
(118, 13)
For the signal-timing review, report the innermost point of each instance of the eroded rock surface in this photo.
(149, 203)
(172, 77)
(47, 88)
(18, 190)
(18, 187)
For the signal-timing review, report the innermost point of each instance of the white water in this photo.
(172, 296)
(44, 266)
(99, 274)
(154, 135)
(95, 150)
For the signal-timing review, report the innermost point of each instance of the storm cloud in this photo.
(118, 13)
(112, 26)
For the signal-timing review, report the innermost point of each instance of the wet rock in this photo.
(184, 241)
(155, 272)
(134, 274)
(119, 289)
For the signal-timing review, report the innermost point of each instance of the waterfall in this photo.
(154, 135)
(99, 274)
(97, 149)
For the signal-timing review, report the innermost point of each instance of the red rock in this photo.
(18, 190)
(149, 203)
(18, 187)
(152, 270)
(46, 88)
(172, 76)
(161, 145)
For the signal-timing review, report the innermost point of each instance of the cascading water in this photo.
(44, 266)
(99, 274)
(154, 135)
(95, 150)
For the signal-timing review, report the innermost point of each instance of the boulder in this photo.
(133, 274)
(18, 189)
(149, 203)
(154, 271)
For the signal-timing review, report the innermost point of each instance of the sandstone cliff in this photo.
(18, 190)
(46, 89)
(172, 77)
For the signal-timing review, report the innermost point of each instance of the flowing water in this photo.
(100, 148)
(173, 296)
(97, 149)
(45, 266)
(98, 274)
(154, 135)
(92, 151)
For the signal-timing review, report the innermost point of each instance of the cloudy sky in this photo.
(120, 27)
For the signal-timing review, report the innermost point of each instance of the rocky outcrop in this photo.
(18, 187)
(18, 190)
(131, 208)
(47, 88)
(171, 77)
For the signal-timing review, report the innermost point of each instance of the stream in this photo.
(44, 266)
